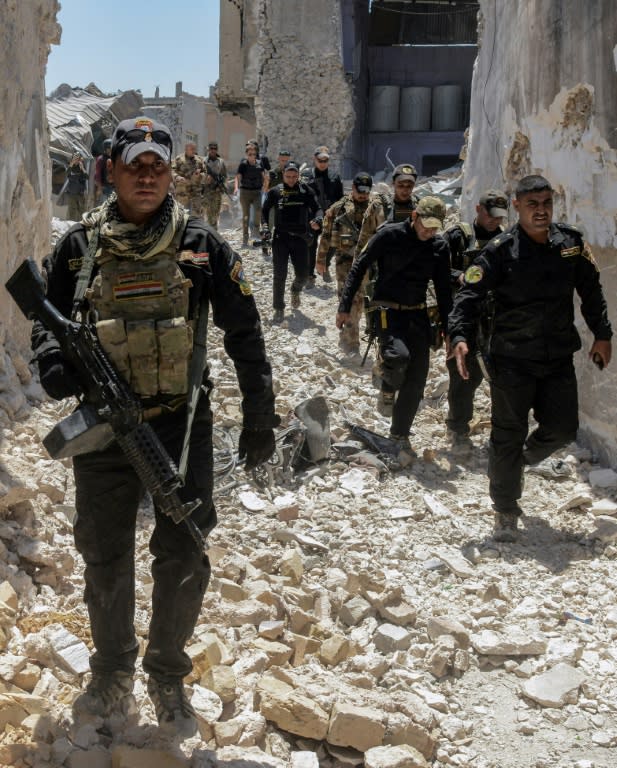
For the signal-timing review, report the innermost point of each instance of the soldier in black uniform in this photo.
(465, 242)
(532, 271)
(328, 188)
(150, 270)
(407, 255)
(296, 215)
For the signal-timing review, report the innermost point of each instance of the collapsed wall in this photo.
(284, 61)
(28, 31)
(544, 101)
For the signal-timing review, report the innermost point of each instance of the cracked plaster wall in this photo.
(302, 96)
(544, 100)
(28, 30)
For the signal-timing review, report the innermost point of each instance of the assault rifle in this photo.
(220, 181)
(109, 405)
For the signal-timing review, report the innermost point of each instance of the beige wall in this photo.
(28, 30)
(544, 101)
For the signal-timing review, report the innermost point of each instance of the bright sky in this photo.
(121, 45)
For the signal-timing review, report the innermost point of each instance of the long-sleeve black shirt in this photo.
(405, 264)
(533, 286)
(219, 276)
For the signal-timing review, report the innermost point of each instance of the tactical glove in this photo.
(57, 376)
(257, 445)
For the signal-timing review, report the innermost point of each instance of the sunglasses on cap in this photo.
(496, 202)
(138, 134)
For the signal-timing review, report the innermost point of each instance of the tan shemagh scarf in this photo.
(130, 241)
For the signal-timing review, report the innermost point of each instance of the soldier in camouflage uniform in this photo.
(393, 208)
(188, 175)
(339, 236)
(215, 184)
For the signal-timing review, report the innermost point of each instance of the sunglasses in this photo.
(498, 202)
(325, 160)
(137, 135)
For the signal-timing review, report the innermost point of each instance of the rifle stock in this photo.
(106, 393)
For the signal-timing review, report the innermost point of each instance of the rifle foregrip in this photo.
(156, 470)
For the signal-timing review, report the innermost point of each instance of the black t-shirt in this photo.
(251, 176)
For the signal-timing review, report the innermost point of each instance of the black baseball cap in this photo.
(284, 153)
(141, 134)
(291, 166)
(363, 182)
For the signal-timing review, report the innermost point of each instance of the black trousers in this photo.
(404, 340)
(108, 493)
(312, 254)
(286, 246)
(461, 392)
(518, 387)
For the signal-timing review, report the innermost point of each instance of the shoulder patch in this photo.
(199, 259)
(237, 275)
(500, 239)
(567, 252)
(589, 256)
(75, 264)
(474, 274)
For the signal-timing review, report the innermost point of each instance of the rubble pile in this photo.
(356, 616)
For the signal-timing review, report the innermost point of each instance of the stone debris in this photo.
(556, 687)
(356, 616)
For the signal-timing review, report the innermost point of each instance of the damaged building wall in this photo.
(544, 101)
(287, 63)
(28, 30)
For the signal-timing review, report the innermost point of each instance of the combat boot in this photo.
(295, 300)
(277, 317)
(172, 706)
(106, 695)
(506, 524)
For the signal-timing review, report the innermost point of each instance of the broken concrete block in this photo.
(271, 630)
(222, 681)
(69, 651)
(278, 653)
(292, 566)
(443, 625)
(246, 730)
(334, 650)
(556, 687)
(8, 596)
(290, 709)
(512, 642)
(248, 612)
(358, 727)
(390, 637)
(354, 611)
(402, 756)
(402, 614)
(304, 759)
(207, 704)
(229, 590)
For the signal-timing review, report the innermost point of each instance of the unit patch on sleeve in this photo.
(237, 275)
(474, 274)
(199, 259)
(574, 251)
(589, 256)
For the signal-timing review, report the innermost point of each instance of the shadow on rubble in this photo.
(554, 548)
(299, 322)
(207, 758)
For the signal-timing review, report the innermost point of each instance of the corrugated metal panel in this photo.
(72, 114)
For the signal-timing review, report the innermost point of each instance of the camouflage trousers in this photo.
(349, 336)
(194, 204)
(212, 206)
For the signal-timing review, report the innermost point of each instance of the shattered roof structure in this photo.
(78, 117)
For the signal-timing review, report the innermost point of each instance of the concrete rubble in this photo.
(356, 616)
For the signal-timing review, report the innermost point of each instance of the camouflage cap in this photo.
(495, 201)
(213, 145)
(363, 182)
(284, 153)
(432, 211)
(321, 153)
(405, 172)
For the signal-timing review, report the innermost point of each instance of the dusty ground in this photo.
(420, 535)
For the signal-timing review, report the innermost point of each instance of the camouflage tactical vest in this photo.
(346, 226)
(142, 320)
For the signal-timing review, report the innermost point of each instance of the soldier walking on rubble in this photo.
(296, 215)
(328, 188)
(341, 228)
(189, 176)
(465, 242)
(407, 256)
(215, 184)
(250, 181)
(532, 271)
(148, 273)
